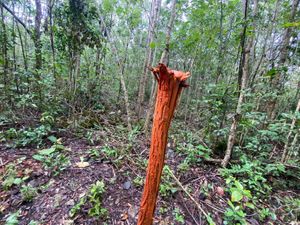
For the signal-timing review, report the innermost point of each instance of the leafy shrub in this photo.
(53, 158)
(11, 178)
(94, 200)
(251, 174)
(12, 218)
(28, 193)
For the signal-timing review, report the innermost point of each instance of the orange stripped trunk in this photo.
(170, 84)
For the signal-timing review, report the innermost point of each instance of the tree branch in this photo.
(17, 18)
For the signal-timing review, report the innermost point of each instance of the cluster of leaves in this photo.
(10, 177)
(252, 174)
(242, 203)
(94, 200)
(54, 158)
(30, 136)
(167, 187)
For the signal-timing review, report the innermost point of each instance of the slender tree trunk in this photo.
(15, 74)
(244, 80)
(50, 12)
(38, 47)
(267, 38)
(221, 48)
(164, 59)
(123, 68)
(276, 82)
(286, 146)
(37, 36)
(4, 54)
(155, 7)
(122, 79)
(242, 43)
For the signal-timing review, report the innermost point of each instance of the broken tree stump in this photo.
(170, 84)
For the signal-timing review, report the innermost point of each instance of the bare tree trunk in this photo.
(263, 54)
(242, 44)
(122, 79)
(286, 146)
(37, 35)
(50, 12)
(4, 53)
(244, 80)
(15, 74)
(149, 54)
(282, 59)
(164, 59)
(38, 47)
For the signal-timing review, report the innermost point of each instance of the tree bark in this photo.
(4, 53)
(286, 146)
(50, 12)
(170, 84)
(242, 44)
(244, 80)
(282, 59)
(37, 36)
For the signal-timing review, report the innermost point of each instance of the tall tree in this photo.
(277, 82)
(37, 35)
(155, 8)
(244, 80)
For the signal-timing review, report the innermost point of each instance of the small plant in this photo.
(138, 181)
(178, 216)
(235, 215)
(265, 213)
(166, 187)
(109, 152)
(12, 218)
(163, 210)
(94, 199)
(184, 166)
(76, 208)
(94, 153)
(28, 193)
(53, 158)
(240, 199)
(10, 177)
(252, 174)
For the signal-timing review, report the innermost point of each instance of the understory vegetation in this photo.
(77, 102)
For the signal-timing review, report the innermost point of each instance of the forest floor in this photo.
(120, 164)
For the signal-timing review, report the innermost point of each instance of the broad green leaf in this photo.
(236, 196)
(18, 181)
(52, 138)
(209, 220)
(152, 45)
(250, 205)
(38, 157)
(238, 185)
(47, 151)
